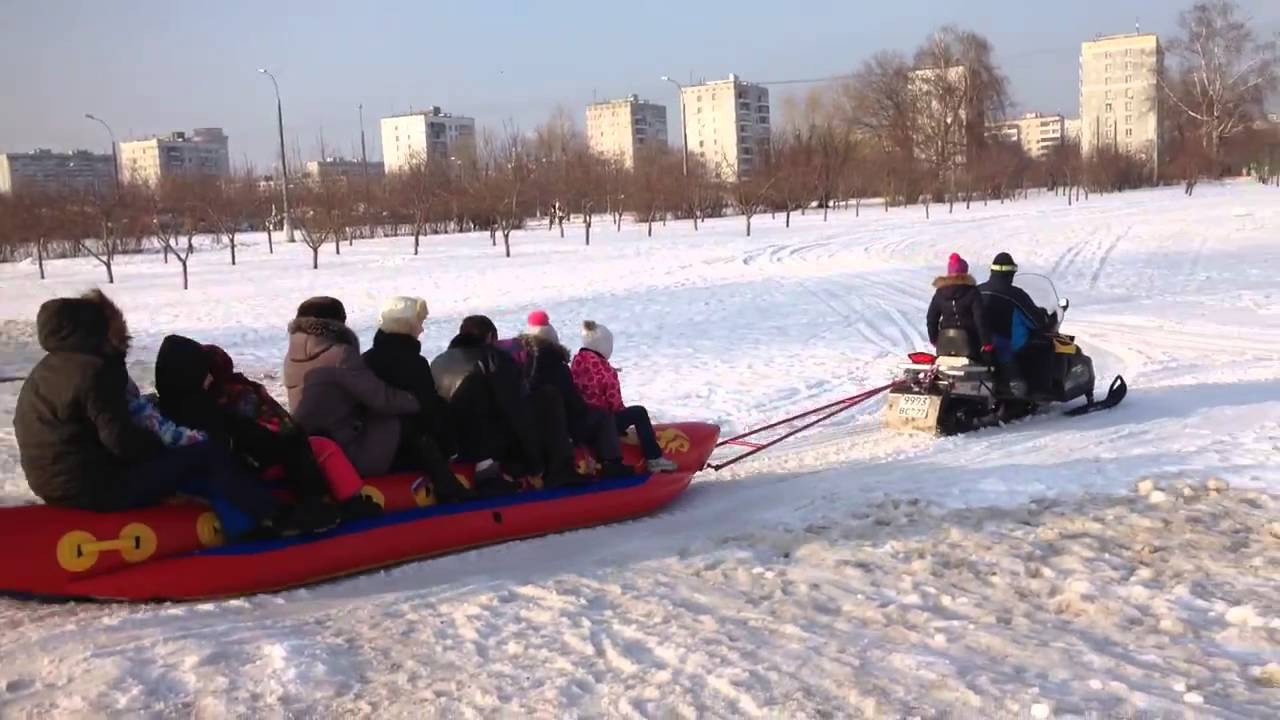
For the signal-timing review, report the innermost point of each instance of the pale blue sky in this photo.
(150, 67)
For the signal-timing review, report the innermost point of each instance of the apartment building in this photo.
(728, 124)
(1119, 93)
(425, 136)
(1036, 133)
(1071, 130)
(202, 151)
(343, 168)
(44, 170)
(622, 129)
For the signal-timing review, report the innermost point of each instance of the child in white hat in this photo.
(598, 383)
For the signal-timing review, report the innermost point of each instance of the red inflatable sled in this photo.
(176, 551)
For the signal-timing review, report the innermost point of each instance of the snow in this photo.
(1123, 562)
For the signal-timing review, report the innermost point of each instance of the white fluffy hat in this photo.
(403, 315)
(597, 337)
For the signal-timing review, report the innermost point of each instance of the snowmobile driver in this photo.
(1012, 317)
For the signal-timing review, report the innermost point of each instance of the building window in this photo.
(1128, 106)
(1110, 95)
(1128, 93)
(1110, 133)
(1128, 119)
(1108, 67)
(1128, 132)
(1106, 81)
(1108, 107)
(1128, 78)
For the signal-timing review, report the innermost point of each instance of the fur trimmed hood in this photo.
(90, 324)
(952, 280)
(310, 337)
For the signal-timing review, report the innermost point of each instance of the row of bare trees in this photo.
(907, 130)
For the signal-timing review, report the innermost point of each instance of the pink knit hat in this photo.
(956, 265)
(540, 326)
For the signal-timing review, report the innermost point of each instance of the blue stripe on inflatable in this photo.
(407, 516)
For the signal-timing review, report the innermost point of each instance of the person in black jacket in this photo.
(494, 416)
(1001, 298)
(187, 390)
(957, 304)
(547, 366)
(77, 443)
(426, 439)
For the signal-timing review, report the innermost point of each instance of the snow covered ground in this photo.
(1010, 573)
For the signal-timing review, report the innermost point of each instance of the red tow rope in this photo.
(831, 409)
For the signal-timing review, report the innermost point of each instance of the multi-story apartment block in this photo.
(1119, 93)
(424, 137)
(48, 171)
(1071, 129)
(623, 129)
(942, 138)
(343, 168)
(1036, 133)
(203, 151)
(728, 125)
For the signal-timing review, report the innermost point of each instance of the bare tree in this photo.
(1225, 71)
(320, 215)
(230, 204)
(512, 169)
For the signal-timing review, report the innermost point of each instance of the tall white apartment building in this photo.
(728, 123)
(202, 151)
(44, 170)
(1036, 133)
(622, 129)
(424, 137)
(1119, 93)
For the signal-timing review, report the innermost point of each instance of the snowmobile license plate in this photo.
(913, 406)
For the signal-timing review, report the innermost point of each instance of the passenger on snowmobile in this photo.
(1012, 317)
(957, 306)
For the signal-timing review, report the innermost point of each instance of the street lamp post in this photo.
(364, 158)
(284, 168)
(115, 159)
(684, 127)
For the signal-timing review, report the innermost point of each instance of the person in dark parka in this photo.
(483, 388)
(332, 393)
(196, 388)
(1001, 298)
(957, 304)
(77, 443)
(547, 366)
(426, 438)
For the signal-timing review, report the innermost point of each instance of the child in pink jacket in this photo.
(598, 383)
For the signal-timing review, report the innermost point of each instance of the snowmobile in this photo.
(949, 392)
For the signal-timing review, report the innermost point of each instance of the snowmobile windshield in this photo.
(1041, 290)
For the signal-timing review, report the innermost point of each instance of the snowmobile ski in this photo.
(1115, 394)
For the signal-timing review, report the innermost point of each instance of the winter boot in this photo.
(359, 507)
(309, 516)
(616, 469)
(661, 465)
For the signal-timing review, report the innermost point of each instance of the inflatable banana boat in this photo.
(176, 551)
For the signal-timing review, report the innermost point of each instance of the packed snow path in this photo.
(804, 581)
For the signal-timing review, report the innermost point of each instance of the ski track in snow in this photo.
(807, 581)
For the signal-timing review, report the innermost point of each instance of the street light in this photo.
(284, 168)
(115, 160)
(684, 128)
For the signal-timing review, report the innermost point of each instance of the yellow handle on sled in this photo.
(78, 550)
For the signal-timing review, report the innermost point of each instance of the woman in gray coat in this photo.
(334, 394)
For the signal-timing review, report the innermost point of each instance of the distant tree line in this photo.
(904, 131)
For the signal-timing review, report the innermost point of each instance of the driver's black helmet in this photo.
(1003, 263)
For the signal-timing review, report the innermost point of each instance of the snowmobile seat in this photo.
(954, 342)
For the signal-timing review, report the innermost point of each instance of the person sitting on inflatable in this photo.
(426, 439)
(598, 382)
(334, 394)
(199, 387)
(957, 305)
(79, 445)
(547, 366)
(493, 420)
